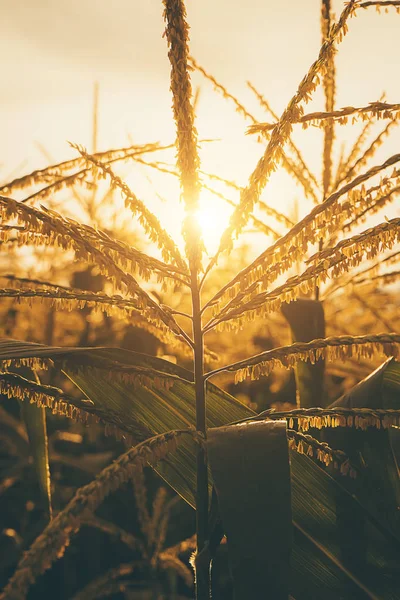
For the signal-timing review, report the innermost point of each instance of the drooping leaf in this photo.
(250, 467)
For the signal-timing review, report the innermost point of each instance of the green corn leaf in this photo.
(34, 419)
(378, 483)
(320, 566)
(35, 422)
(244, 460)
(317, 542)
(377, 486)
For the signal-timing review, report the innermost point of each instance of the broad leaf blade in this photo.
(139, 410)
(250, 467)
(378, 483)
(34, 419)
(35, 423)
(144, 412)
(319, 568)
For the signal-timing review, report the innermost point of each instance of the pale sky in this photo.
(53, 51)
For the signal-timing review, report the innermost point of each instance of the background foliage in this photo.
(322, 298)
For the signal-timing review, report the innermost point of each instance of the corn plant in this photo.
(335, 509)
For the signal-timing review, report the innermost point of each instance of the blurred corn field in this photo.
(289, 456)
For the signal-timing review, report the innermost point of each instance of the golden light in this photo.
(212, 217)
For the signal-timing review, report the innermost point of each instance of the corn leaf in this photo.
(378, 483)
(319, 568)
(245, 459)
(318, 552)
(35, 423)
(34, 419)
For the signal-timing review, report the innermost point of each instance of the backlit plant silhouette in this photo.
(169, 411)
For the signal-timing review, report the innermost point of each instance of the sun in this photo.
(213, 217)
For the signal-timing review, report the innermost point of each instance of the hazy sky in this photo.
(52, 51)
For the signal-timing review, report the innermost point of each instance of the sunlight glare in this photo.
(213, 217)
